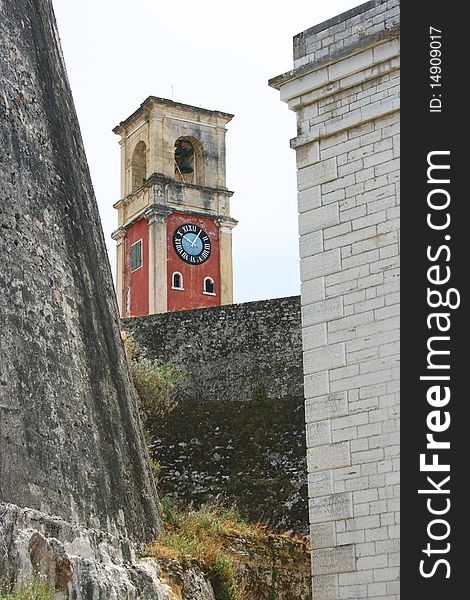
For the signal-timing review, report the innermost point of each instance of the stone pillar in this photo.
(345, 89)
(119, 236)
(221, 163)
(124, 170)
(226, 265)
(155, 160)
(158, 285)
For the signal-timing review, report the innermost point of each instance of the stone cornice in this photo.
(365, 42)
(344, 83)
(159, 212)
(227, 222)
(118, 235)
(149, 102)
(163, 182)
(341, 69)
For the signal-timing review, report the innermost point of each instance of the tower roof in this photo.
(152, 100)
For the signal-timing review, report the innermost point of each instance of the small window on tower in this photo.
(136, 255)
(177, 281)
(209, 286)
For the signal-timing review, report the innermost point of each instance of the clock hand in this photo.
(196, 238)
(186, 238)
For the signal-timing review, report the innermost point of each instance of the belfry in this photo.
(174, 235)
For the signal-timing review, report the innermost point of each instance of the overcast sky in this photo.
(213, 54)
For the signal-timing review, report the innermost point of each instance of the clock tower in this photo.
(174, 235)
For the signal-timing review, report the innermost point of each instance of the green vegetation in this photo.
(210, 536)
(155, 382)
(31, 591)
(202, 535)
(260, 397)
(223, 579)
(155, 467)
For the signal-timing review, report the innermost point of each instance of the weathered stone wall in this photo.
(73, 464)
(278, 571)
(251, 454)
(228, 353)
(238, 432)
(345, 90)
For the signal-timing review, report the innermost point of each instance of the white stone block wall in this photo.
(345, 90)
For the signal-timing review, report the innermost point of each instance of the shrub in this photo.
(208, 534)
(223, 578)
(129, 345)
(202, 535)
(155, 467)
(155, 384)
(172, 517)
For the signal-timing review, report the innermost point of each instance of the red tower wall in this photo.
(136, 283)
(193, 275)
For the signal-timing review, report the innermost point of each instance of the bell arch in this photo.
(138, 166)
(189, 160)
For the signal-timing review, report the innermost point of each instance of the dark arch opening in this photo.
(139, 166)
(189, 161)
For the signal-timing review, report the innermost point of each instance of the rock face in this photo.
(72, 452)
(87, 564)
(79, 562)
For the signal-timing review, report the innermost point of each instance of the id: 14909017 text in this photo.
(435, 69)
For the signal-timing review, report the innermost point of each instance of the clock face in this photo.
(192, 244)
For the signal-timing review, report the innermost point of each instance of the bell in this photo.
(185, 164)
(183, 159)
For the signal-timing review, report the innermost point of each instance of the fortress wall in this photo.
(238, 431)
(76, 493)
(228, 353)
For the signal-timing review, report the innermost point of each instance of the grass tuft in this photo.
(31, 591)
(202, 535)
